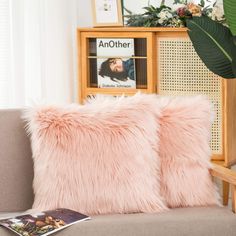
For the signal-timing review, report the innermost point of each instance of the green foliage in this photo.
(180, 2)
(214, 45)
(230, 12)
(161, 16)
(202, 3)
(162, 2)
(148, 19)
(137, 20)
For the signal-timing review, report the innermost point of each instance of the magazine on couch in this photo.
(43, 223)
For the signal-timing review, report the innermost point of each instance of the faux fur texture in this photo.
(98, 158)
(185, 151)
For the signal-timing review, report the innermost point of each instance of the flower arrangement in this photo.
(164, 16)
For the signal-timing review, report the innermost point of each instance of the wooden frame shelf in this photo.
(87, 81)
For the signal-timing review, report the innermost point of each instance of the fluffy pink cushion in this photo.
(98, 158)
(185, 151)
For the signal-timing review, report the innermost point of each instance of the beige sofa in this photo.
(16, 194)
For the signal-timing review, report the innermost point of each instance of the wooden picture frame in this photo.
(107, 13)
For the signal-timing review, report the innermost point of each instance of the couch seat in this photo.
(199, 221)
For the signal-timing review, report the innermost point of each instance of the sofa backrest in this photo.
(16, 166)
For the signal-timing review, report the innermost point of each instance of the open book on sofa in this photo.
(43, 223)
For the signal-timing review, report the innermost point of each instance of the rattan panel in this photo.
(181, 72)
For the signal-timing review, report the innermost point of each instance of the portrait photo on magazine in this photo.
(116, 72)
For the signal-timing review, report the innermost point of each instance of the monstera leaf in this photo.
(214, 45)
(230, 14)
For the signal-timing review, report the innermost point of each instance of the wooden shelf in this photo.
(113, 91)
(134, 57)
(134, 29)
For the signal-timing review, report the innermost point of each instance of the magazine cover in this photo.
(115, 65)
(43, 223)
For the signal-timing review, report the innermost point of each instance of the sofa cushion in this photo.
(205, 221)
(185, 133)
(98, 158)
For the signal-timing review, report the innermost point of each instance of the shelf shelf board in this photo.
(116, 91)
(134, 29)
(104, 57)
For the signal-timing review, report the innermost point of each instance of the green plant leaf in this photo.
(234, 63)
(162, 2)
(202, 3)
(234, 39)
(234, 66)
(214, 45)
(230, 13)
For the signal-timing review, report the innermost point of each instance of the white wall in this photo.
(84, 13)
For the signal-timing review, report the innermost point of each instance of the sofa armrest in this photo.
(16, 163)
(223, 173)
(228, 176)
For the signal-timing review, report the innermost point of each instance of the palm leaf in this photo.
(214, 45)
(230, 13)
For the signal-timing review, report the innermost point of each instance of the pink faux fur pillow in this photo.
(185, 152)
(98, 158)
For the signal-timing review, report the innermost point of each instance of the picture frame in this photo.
(107, 13)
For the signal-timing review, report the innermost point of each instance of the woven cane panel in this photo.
(181, 72)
